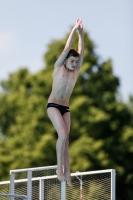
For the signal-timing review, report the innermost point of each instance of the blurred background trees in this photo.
(101, 134)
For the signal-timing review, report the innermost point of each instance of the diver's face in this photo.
(71, 63)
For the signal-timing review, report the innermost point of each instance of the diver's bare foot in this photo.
(60, 175)
(68, 178)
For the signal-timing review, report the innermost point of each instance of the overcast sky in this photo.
(27, 26)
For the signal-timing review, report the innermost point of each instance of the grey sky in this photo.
(27, 26)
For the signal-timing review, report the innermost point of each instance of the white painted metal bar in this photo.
(72, 174)
(12, 184)
(34, 169)
(29, 186)
(113, 182)
(63, 190)
(15, 195)
(92, 172)
(4, 182)
(41, 189)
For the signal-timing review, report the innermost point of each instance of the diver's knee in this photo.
(63, 135)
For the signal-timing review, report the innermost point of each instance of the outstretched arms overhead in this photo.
(78, 26)
(80, 44)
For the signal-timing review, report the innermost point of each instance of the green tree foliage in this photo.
(27, 138)
(101, 135)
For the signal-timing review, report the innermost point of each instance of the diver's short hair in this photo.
(73, 52)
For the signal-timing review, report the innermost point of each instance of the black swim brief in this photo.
(62, 109)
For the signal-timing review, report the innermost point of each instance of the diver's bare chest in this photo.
(65, 76)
